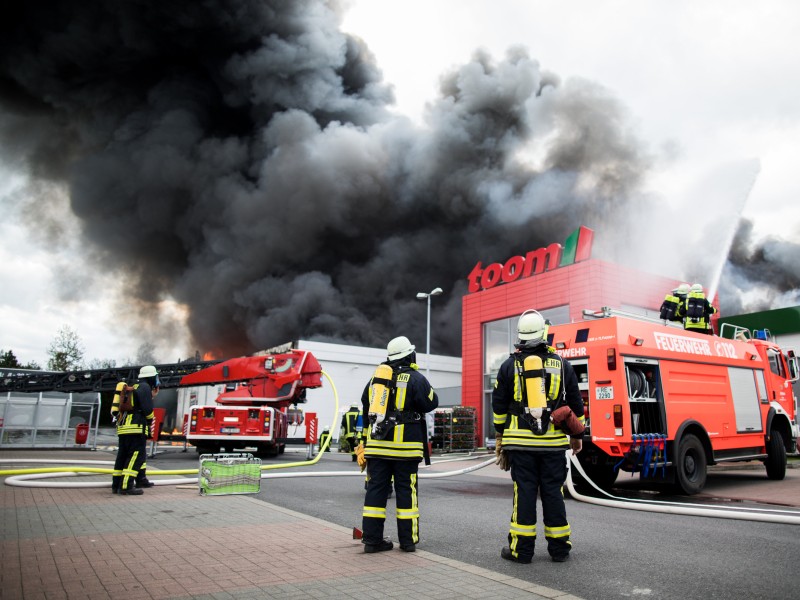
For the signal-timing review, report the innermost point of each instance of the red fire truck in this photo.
(251, 412)
(665, 403)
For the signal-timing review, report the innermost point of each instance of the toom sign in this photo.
(577, 247)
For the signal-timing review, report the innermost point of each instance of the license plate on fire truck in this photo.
(605, 392)
(229, 430)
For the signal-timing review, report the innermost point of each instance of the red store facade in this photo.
(559, 281)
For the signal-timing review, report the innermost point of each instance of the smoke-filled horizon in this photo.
(240, 157)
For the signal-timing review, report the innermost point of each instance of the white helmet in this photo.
(399, 347)
(148, 371)
(531, 326)
(682, 289)
(697, 288)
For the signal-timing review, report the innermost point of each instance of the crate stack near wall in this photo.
(454, 429)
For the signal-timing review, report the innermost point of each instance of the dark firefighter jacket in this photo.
(508, 400)
(137, 421)
(412, 394)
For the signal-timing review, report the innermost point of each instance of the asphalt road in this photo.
(617, 553)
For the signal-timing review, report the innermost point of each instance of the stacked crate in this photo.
(454, 429)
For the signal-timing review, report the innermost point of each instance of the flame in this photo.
(208, 356)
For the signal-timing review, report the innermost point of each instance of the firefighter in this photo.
(133, 427)
(348, 438)
(326, 433)
(698, 311)
(531, 384)
(672, 307)
(395, 400)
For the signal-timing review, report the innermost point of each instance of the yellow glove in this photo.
(362, 461)
(501, 457)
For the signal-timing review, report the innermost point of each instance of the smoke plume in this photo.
(239, 157)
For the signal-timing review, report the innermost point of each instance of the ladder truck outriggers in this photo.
(251, 411)
(666, 403)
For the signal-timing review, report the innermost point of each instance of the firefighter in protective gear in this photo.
(348, 438)
(534, 445)
(672, 307)
(133, 428)
(697, 311)
(323, 437)
(395, 400)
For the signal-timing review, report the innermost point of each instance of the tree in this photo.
(66, 351)
(102, 363)
(9, 360)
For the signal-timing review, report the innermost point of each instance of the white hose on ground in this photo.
(679, 508)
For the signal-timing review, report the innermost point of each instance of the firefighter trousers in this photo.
(542, 473)
(130, 460)
(379, 485)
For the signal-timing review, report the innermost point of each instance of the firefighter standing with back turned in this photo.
(395, 401)
(132, 429)
(536, 389)
(697, 311)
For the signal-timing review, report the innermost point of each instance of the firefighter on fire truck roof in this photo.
(395, 401)
(673, 306)
(535, 390)
(698, 310)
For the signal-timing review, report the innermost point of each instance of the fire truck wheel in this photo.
(776, 456)
(691, 465)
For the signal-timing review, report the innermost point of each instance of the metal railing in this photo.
(48, 420)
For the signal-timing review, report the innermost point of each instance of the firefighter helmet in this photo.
(148, 371)
(531, 326)
(697, 288)
(682, 289)
(399, 347)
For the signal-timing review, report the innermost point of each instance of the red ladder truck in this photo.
(251, 412)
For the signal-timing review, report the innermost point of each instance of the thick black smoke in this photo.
(239, 157)
(766, 270)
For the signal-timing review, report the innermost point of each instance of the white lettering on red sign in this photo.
(679, 343)
(571, 352)
(725, 349)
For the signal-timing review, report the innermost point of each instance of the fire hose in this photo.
(31, 477)
(679, 508)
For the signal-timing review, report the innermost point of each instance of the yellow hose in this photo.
(155, 471)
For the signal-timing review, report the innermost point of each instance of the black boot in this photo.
(382, 547)
(132, 491)
(509, 555)
(116, 483)
(144, 483)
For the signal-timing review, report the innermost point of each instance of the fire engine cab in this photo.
(251, 412)
(665, 403)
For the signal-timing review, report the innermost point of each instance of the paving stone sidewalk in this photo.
(172, 543)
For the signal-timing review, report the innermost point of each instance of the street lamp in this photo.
(423, 296)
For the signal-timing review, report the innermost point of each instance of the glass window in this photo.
(775, 364)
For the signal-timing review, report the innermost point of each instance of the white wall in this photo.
(350, 368)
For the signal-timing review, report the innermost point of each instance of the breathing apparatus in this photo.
(532, 332)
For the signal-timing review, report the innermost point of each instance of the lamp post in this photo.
(424, 296)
